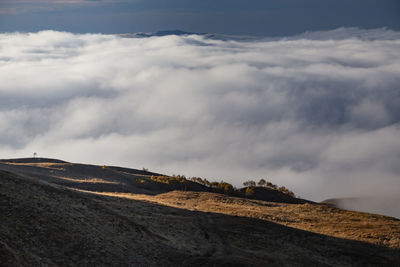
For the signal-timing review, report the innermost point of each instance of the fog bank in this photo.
(318, 113)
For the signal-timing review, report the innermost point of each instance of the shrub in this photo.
(262, 182)
(249, 191)
(271, 185)
(214, 184)
(227, 187)
(286, 191)
(249, 183)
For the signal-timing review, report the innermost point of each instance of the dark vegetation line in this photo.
(249, 186)
(181, 182)
(144, 181)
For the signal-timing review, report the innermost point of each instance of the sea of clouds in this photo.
(318, 113)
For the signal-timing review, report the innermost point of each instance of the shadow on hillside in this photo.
(259, 241)
(42, 224)
(122, 180)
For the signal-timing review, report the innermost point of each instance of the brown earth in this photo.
(322, 219)
(49, 223)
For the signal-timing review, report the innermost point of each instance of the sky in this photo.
(243, 17)
(311, 102)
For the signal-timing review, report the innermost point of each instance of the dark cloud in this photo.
(243, 17)
(319, 115)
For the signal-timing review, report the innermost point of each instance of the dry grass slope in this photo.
(47, 223)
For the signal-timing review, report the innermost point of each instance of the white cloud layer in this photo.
(319, 115)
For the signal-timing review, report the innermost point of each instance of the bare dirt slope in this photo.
(45, 223)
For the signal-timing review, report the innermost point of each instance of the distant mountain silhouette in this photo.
(162, 33)
(184, 33)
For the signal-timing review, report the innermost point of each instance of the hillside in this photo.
(51, 221)
(124, 180)
(385, 205)
(93, 177)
